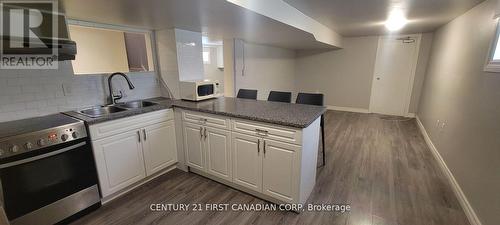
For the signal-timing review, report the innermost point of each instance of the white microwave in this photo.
(198, 90)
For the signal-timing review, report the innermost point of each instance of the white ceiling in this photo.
(366, 17)
(214, 18)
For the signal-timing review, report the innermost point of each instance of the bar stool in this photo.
(247, 94)
(314, 99)
(280, 96)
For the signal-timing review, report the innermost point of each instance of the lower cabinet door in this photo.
(247, 161)
(160, 149)
(280, 170)
(193, 145)
(218, 152)
(119, 161)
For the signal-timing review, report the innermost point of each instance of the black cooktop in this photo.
(25, 126)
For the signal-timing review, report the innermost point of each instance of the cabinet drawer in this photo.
(118, 126)
(206, 119)
(269, 131)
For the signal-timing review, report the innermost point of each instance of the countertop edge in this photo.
(295, 125)
(164, 103)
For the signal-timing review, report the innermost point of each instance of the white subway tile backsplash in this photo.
(10, 90)
(30, 93)
(13, 81)
(14, 107)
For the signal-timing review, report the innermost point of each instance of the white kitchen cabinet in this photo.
(208, 149)
(119, 161)
(247, 161)
(160, 150)
(131, 150)
(274, 162)
(266, 166)
(218, 152)
(193, 145)
(280, 165)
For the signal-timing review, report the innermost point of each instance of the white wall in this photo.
(345, 75)
(166, 50)
(211, 70)
(30, 93)
(189, 54)
(422, 63)
(264, 68)
(457, 91)
(179, 57)
(229, 71)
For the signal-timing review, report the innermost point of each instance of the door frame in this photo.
(418, 39)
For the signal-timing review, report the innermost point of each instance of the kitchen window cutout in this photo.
(493, 64)
(107, 50)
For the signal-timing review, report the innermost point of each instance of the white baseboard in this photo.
(469, 211)
(411, 115)
(347, 109)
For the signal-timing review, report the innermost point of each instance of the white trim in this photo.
(347, 109)
(107, 26)
(412, 74)
(469, 211)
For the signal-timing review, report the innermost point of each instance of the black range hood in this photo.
(63, 49)
(52, 37)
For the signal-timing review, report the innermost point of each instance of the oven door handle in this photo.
(31, 159)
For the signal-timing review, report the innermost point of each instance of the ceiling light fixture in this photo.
(396, 20)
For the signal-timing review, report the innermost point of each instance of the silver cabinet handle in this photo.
(205, 131)
(201, 132)
(139, 136)
(264, 147)
(258, 146)
(145, 135)
(261, 132)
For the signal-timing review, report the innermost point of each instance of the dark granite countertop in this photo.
(286, 114)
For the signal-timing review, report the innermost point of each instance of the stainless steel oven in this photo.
(48, 175)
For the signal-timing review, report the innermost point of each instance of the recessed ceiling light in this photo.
(396, 20)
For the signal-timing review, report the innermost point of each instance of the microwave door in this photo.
(205, 90)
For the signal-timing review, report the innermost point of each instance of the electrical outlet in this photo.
(443, 125)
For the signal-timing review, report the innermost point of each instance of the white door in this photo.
(159, 146)
(247, 161)
(193, 145)
(119, 161)
(280, 170)
(393, 75)
(218, 152)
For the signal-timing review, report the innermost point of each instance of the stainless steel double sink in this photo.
(99, 111)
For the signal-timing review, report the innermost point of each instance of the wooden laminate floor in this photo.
(380, 166)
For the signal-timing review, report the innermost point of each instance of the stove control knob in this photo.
(14, 148)
(64, 137)
(74, 135)
(41, 142)
(2, 152)
(28, 145)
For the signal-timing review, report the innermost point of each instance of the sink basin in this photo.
(101, 111)
(136, 104)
